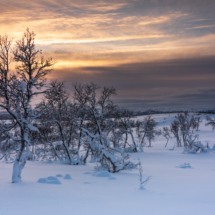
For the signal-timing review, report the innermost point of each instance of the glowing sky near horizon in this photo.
(157, 53)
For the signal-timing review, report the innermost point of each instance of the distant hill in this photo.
(5, 116)
(152, 112)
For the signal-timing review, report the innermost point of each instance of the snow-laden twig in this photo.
(142, 182)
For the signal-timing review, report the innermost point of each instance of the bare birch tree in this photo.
(18, 90)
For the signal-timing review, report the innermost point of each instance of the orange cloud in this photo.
(96, 33)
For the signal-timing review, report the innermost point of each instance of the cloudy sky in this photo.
(156, 53)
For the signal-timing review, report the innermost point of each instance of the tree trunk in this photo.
(126, 138)
(185, 140)
(167, 142)
(135, 146)
(84, 160)
(20, 162)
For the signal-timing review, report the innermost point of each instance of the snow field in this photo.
(171, 190)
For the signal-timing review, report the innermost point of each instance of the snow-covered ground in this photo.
(171, 191)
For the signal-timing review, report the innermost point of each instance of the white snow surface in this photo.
(171, 190)
(103, 174)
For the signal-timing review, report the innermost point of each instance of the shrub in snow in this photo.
(57, 123)
(213, 148)
(89, 122)
(186, 124)
(166, 133)
(175, 129)
(194, 146)
(208, 147)
(125, 124)
(211, 122)
(110, 158)
(146, 130)
(139, 134)
(142, 182)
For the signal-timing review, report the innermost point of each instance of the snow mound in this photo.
(32, 128)
(49, 180)
(142, 188)
(103, 174)
(42, 180)
(67, 176)
(59, 175)
(172, 149)
(185, 166)
(52, 178)
(53, 182)
(112, 178)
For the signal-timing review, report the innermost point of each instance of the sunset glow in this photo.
(125, 44)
